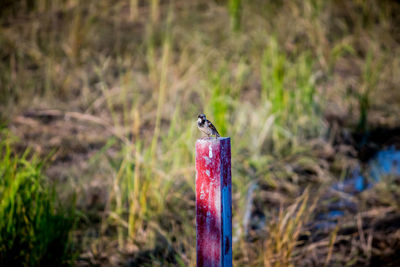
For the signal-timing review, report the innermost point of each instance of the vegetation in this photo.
(34, 229)
(112, 91)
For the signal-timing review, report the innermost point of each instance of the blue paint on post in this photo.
(226, 203)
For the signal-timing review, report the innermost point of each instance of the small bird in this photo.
(206, 126)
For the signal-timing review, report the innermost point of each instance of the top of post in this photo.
(208, 140)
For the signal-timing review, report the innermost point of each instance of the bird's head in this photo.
(201, 118)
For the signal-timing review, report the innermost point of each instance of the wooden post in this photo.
(213, 202)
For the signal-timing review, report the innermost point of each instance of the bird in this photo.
(206, 127)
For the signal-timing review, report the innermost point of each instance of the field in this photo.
(98, 108)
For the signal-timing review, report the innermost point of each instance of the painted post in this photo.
(213, 202)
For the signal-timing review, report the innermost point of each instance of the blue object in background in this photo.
(385, 162)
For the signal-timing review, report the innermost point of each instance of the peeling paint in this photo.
(207, 159)
(202, 195)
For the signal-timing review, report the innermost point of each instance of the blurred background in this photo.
(98, 109)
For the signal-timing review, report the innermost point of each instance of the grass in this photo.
(273, 76)
(235, 11)
(35, 228)
(285, 231)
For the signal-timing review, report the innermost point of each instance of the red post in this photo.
(213, 202)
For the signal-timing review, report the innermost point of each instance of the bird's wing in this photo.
(212, 127)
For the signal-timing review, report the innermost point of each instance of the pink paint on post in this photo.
(213, 202)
